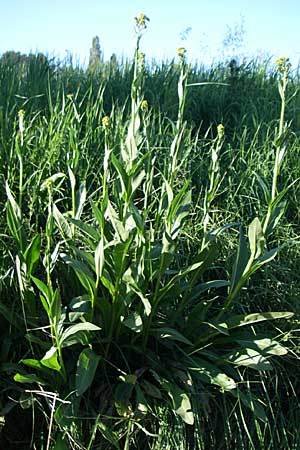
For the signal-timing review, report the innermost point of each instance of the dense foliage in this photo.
(149, 238)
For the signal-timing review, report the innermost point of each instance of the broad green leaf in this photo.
(87, 229)
(62, 223)
(145, 301)
(15, 207)
(256, 238)
(28, 378)
(266, 345)
(32, 253)
(264, 187)
(241, 261)
(107, 282)
(83, 273)
(86, 368)
(42, 287)
(120, 254)
(210, 373)
(265, 258)
(79, 306)
(203, 287)
(183, 273)
(180, 208)
(14, 220)
(34, 363)
(276, 214)
(133, 285)
(51, 180)
(80, 200)
(50, 359)
(99, 258)
(137, 180)
(183, 407)
(134, 322)
(137, 218)
(221, 328)
(129, 151)
(55, 307)
(129, 378)
(123, 177)
(116, 222)
(248, 319)
(170, 333)
(72, 178)
(69, 336)
(250, 358)
(181, 402)
(212, 235)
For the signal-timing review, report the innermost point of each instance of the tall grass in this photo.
(149, 245)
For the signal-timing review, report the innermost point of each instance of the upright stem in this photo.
(283, 68)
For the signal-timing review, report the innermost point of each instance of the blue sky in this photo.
(54, 26)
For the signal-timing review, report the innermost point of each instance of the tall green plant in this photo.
(125, 327)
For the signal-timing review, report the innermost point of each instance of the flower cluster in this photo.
(283, 65)
(141, 60)
(141, 21)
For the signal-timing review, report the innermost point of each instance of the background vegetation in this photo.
(149, 236)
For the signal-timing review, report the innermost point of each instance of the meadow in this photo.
(149, 254)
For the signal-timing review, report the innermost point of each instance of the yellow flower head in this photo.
(106, 122)
(21, 113)
(283, 65)
(181, 51)
(141, 21)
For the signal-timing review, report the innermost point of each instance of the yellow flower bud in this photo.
(141, 60)
(21, 114)
(144, 105)
(106, 122)
(181, 51)
(220, 129)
